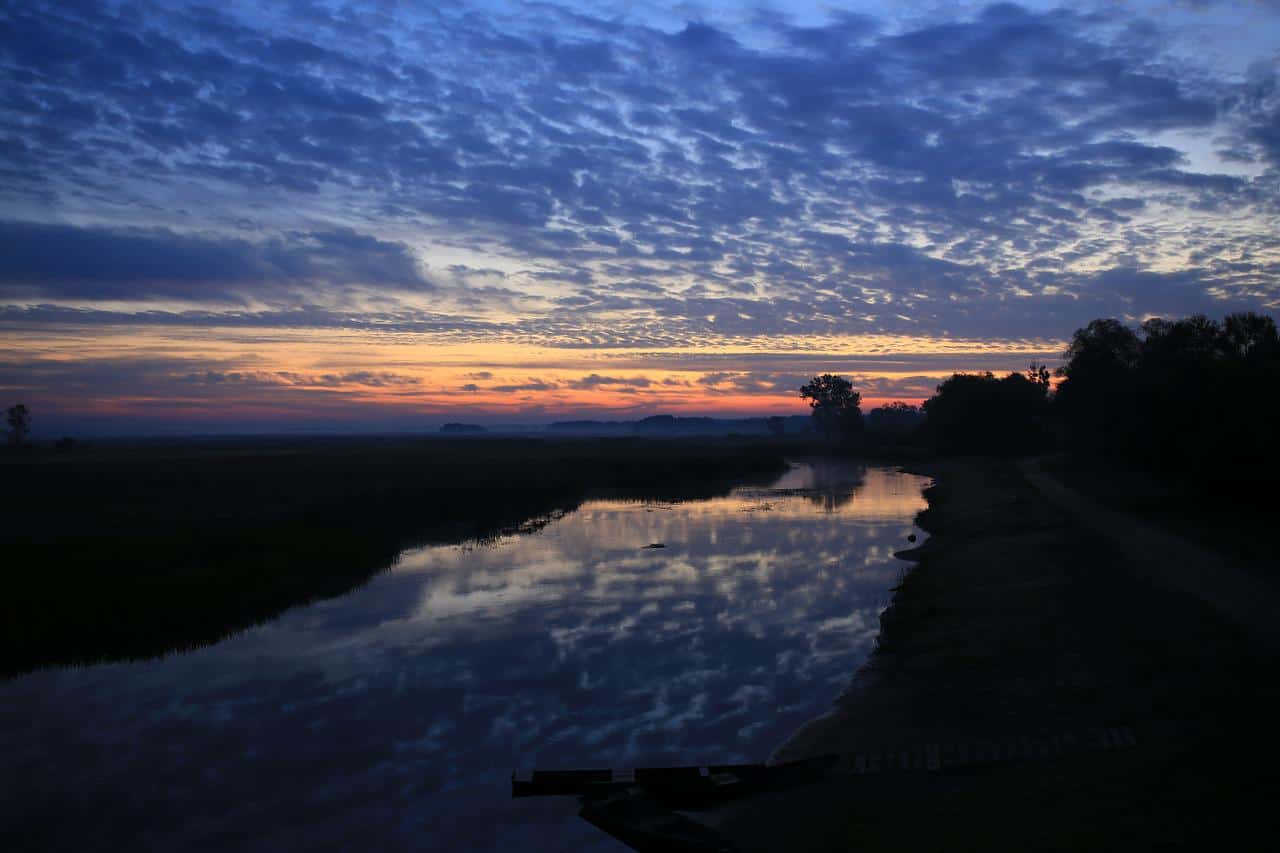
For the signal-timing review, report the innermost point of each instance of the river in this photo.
(390, 718)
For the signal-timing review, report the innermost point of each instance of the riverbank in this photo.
(124, 550)
(1021, 621)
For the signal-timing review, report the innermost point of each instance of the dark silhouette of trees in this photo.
(979, 413)
(1040, 374)
(1096, 395)
(19, 419)
(777, 426)
(835, 406)
(895, 420)
(1250, 337)
(1191, 394)
(462, 429)
(1102, 347)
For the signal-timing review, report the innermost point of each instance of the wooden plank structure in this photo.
(641, 807)
(687, 787)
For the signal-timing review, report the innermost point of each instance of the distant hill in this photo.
(660, 425)
(462, 429)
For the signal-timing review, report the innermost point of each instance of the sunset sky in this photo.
(383, 216)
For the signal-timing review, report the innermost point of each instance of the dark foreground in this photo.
(130, 550)
(390, 718)
(1023, 621)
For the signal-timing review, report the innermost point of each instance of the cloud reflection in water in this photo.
(390, 718)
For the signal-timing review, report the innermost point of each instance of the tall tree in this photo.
(896, 419)
(19, 419)
(1103, 346)
(1190, 395)
(1249, 335)
(980, 413)
(835, 405)
(1097, 397)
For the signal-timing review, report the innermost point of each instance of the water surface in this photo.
(391, 718)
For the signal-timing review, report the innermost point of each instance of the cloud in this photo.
(41, 260)
(283, 378)
(531, 385)
(174, 378)
(595, 380)
(629, 181)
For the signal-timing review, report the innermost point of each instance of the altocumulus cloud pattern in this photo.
(584, 176)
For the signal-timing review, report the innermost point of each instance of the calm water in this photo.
(390, 719)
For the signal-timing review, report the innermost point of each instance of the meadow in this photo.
(122, 550)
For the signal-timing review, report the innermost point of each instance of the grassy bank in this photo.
(1019, 621)
(126, 550)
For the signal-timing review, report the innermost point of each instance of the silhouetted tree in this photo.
(1250, 336)
(1096, 398)
(1178, 368)
(1103, 346)
(978, 413)
(1173, 396)
(896, 419)
(19, 419)
(835, 405)
(1039, 374)
(1187, 344)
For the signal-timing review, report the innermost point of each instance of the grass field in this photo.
(132, 549)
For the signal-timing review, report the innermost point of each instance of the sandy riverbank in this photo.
(1020, 619)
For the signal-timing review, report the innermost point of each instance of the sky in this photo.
(367, 216)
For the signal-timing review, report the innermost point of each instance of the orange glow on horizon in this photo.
(229, 374)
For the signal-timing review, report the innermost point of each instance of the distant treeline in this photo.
(672, 425)
(463, 429)
(1191, 395)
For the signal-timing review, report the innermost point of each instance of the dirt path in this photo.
(1169, 561)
